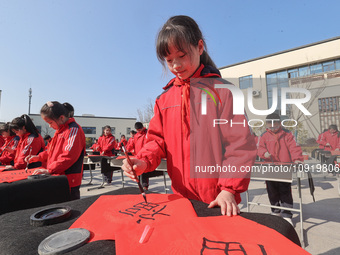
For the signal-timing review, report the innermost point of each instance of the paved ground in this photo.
(321, 218)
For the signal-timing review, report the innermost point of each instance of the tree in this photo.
(46, 130)
(316, 84)
(144, 115)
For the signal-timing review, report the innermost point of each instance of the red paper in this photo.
(2, 168)
(176, 229)
(207, 235)
(15, 175)
(109, 215)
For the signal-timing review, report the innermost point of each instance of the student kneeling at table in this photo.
(65, 153)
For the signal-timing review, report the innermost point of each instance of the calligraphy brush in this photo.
(28, 161)
(137, 179)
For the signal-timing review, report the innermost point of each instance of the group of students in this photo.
(181, 47)
(63, 155)
(22, 139)
(107, 145)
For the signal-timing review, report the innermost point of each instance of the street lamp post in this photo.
(29, 100)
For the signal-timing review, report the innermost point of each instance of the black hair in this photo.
(335, 127)
(24, 121)
(105, 127)
(47, 137)
(181, 31)
(70, 109)
(133, 132)
(139, 125)
(7, 128)
(122, 136)
(273, 116)
(53, 110)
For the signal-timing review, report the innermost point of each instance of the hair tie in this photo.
(49, 104)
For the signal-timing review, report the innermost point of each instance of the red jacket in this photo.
(106, 144)
(122, 141)
(138, 141)
(328, 137)
(130, 146)
(95, 147)
(2, 140)
(320, 141)
(169, 138)
(11, 142)
(65, 153)
(27, 142)
(281, 145)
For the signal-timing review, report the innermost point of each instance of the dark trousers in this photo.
(75, 193)
(280, 194)
(106, 170)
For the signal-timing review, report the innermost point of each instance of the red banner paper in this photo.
(15, 175)
(108, 215)
(207, 235)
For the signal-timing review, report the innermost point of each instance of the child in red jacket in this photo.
(329, 139)
(181, 46)
(8, 150)
(136, 145)
(30, 142)
(130, 143)
(279, 145)
(106, 145)
(65, 153)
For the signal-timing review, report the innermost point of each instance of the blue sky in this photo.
(99, 55)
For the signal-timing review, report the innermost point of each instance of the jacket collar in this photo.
(203, 71)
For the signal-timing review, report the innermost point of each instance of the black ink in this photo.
(263, 250)
(227, 247)
(138, 221)
(145, 216)
(150, 207)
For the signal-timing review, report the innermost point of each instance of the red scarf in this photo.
(277, 144)
(185, 102)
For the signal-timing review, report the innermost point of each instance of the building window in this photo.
(337, 64)
(113, 130)
(317, 68)
(329, 111)
(293, 73)
(128, 130)
(328, 66)
(304, 71)
(39, 129)
(277, 80)
(246, 82)
(89, 130)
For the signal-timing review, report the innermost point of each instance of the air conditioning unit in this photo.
(256, 93)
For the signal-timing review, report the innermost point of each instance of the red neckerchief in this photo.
(185, 106)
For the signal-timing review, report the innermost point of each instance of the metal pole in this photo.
(0, 98)
(29, 100)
